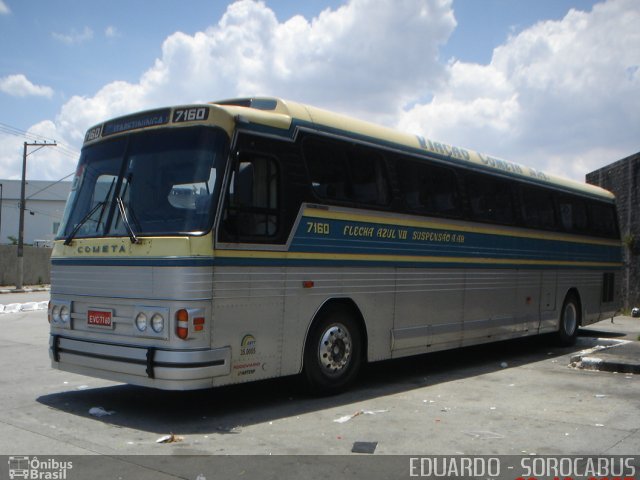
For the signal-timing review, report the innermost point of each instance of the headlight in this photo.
(141, 322)
(65, 314)
(157, 323)
(55, 313)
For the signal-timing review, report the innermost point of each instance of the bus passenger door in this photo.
(249, 292)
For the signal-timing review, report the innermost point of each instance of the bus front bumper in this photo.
(138, 365)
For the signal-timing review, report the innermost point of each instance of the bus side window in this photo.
(346, 173)
(490, 198)
(328, 170)
(369, 182)
(603, 220)
(573, 214)
(537, 208)
(428, 189)
(252, 204)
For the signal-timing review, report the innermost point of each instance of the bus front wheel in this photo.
(569, 321)
(333, 352)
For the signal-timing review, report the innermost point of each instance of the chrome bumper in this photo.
(146, 366)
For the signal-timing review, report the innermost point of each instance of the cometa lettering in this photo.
(102, 249)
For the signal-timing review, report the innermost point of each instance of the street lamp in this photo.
(20, 269)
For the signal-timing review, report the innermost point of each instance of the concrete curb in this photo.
(620, 356)
(606, 365)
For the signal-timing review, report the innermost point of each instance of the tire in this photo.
(569, 321)
(333, 352)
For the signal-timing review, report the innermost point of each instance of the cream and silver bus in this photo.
(213, 244)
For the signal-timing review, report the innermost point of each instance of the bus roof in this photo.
(283, 114)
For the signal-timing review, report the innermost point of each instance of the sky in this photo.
(552, 84)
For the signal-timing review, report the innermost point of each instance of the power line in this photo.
(21, 133)
(49, 186)
(63, 148)
(17, 132)
(14, 205)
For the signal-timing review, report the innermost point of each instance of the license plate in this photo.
(99, 318)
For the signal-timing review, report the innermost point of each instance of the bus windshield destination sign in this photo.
(147, 119)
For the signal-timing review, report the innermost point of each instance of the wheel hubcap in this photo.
(570, 318)
(334, 350)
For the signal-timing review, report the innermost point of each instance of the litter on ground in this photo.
(171, 438)
(346, 418)
(100, 412)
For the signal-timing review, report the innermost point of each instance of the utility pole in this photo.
(20, 272)
(0, 213)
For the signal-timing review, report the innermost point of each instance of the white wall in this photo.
(47, 207)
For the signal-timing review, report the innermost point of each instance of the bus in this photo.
(211, 244)
(18, 467)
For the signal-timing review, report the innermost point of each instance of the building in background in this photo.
(45, 203)
(623, 179)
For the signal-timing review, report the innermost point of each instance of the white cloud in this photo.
(349, 59)
(20, 86)
(111, 32)
(74, 37)
(48, 163)
(561, 95)
(4, 10)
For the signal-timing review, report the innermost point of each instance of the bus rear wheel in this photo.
(333, 352)
(569, 321)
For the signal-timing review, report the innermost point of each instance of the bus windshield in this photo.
(159, 182)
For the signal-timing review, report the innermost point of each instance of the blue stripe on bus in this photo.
(135, 262)
(324, 235)
(494, 248)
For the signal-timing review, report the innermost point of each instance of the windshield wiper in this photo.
(79, 225)
(125, 220)
(105, 203)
